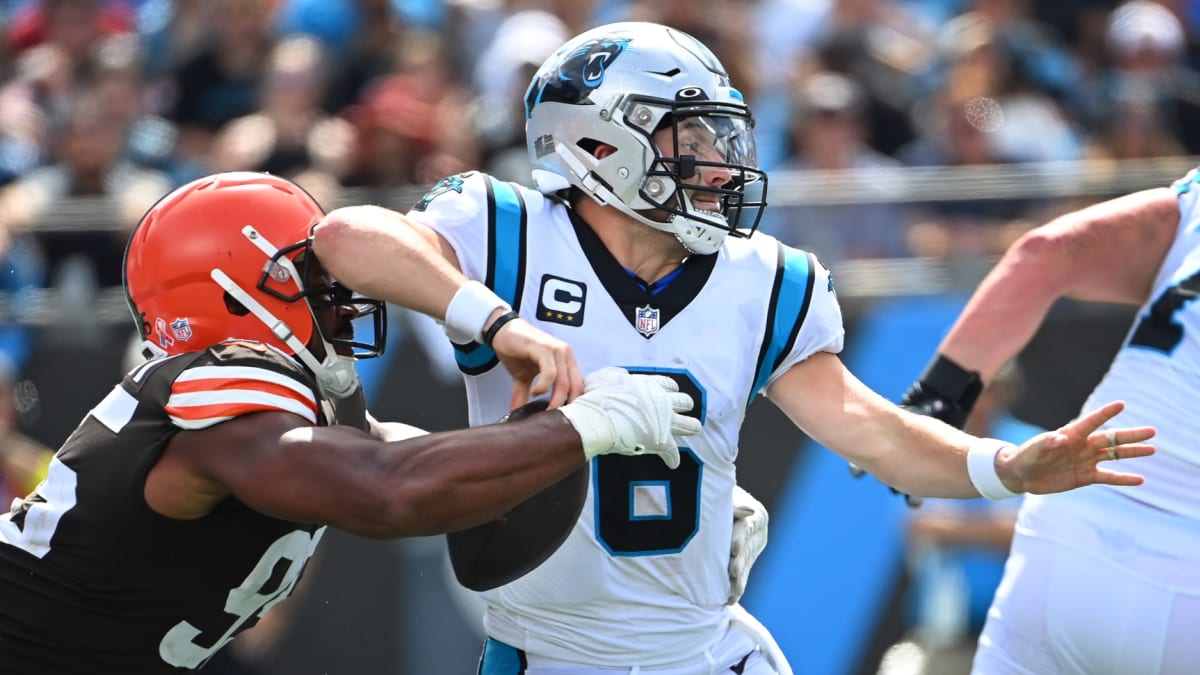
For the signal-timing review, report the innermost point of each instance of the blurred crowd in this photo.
(125, 99)
(106, 105)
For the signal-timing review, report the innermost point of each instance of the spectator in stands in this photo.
(221, 81)
(381, 33)
(1145, 87)
(957, 133)
(290, 133)
(73, 26)
(521, 43)
(56, 44)
(172, 32)
(415, 123)
(1005, 52)
(23, 128)
(829, 137)
(92, 165)
(884, 46)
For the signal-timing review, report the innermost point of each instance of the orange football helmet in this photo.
(240, 236)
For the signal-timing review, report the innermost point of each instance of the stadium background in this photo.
(831, 584)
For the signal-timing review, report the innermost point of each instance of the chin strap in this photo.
(335, 375)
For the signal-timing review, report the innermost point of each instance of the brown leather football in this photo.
(505, 549)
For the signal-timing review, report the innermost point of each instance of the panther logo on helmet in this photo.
(579, 73)
(605, 116)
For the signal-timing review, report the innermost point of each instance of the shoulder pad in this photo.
(237, 378)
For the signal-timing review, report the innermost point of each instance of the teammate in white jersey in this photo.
(636, 250)
(1101, 580)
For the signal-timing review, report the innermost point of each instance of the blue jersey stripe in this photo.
(789, 304)
(501, 659)
(506, 265)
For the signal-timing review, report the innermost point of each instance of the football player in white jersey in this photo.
(635, 249)
(1101, 580)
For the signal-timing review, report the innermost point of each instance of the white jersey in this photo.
(642, 579)
(1156, 374)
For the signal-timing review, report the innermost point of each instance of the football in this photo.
(502, 550)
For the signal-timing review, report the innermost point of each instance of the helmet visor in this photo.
(710, 159)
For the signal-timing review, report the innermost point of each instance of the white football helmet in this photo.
(616, 85)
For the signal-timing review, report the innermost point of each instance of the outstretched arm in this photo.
(1108, 252)
(923, 456)
(278, 464)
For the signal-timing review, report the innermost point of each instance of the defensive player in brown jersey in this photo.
(186, 503)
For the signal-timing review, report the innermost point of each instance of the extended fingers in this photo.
(1095, 419)
(1111, 438)
(1127, 451)
(1119, 478)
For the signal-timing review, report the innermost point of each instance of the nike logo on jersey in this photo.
(561, 300)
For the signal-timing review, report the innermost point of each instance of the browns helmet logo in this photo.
(576, 74)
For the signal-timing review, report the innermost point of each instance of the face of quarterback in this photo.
(702, 150)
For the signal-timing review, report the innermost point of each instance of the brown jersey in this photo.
(95, 581)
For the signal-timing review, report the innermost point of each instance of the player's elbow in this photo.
(335, 241)
(410, 507)
(1044, 255)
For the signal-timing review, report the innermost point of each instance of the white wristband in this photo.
(981, 467)
(469, 310)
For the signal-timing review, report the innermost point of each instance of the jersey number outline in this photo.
(1157, 329)
(624, 484)
(179, 646)
(48, 503)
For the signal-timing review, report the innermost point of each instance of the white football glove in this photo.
(749, 540)
(631, 414)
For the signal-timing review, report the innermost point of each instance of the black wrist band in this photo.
(953, 381)
(490, 333)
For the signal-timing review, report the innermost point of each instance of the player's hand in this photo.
(631, 415)
(946, 391)
(1070, 457)
(539, 363)
(749, 540)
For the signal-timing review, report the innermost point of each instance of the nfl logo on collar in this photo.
(646, 320)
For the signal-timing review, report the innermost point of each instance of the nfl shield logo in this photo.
(646, 320)
(182, 329)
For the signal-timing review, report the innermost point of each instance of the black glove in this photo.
(946, 391)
